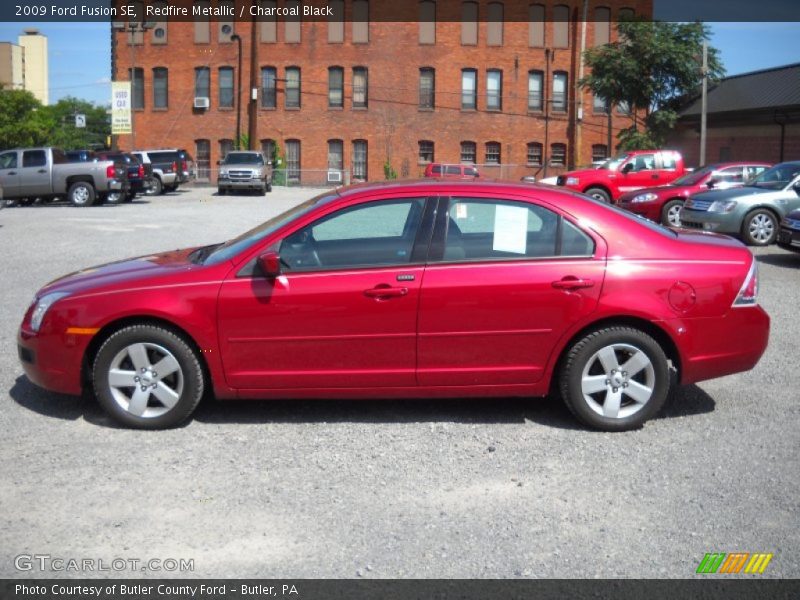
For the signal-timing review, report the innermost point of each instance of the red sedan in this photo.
(663, 204)
(420, 289)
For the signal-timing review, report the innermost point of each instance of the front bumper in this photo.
(789, 239)
(711, 221)
(241, 184)
(53, 361)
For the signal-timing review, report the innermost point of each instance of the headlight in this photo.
(573, 181)
(722, 206)
(223, 174)
(42, 306)
(649, 197)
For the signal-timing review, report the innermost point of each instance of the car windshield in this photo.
(238, 244)
(776, 178)
(613, 163)
(243, 158)
(695, 176)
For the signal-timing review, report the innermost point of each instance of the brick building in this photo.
(380, 82)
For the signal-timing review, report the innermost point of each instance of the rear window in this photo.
(454, 170)
(163, 156)
(436, 169)
(34, 158)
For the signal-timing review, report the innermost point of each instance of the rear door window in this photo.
(34, 158)
(453, 170)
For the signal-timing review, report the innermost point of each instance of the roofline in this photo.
(759, 71)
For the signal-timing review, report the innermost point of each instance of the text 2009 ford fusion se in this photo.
(419, 289)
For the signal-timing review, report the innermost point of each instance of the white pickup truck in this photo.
(29, 173)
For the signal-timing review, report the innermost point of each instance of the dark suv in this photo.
(138, 172)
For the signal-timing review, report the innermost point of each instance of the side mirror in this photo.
(270, 264)
(627, 168)
(796, 187)
(712, 182)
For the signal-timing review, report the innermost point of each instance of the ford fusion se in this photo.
(409, 290)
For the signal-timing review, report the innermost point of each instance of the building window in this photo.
(561, 26)
(226, 27)
(335, 155)
(360, 87)
(202, 82)
(469, 152)
(492, 153)
(427, 87)
(335, 87)
(292, 161)
(624, 108)
(425, 151)
(293, 87)
(494, 25)
(599, 152)
(226, 87)
(469, 23)
(427, 22)
(602, 25)
(291, 31)
(558, 155)
(600, 105)
(268, 87)
(160, 87)
(469, 91)
(536, 25)
(560, 91)
(626, 14)
(202, 29)
(534, 157)
(137, 87)
(535, 80)
(360, 159)
(202, 150)
(225, 146)
(268, 148)
(269, 25)
(336, 22)
(360, 22)
(494, 89)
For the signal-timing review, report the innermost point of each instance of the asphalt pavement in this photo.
(500, 488)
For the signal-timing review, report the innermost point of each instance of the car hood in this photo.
(122, 273)
(734, 193)
(586, 173)
(674, 190)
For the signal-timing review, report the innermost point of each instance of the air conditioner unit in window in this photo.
(334, 177)
(201, 102)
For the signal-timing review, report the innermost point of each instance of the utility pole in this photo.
(252, 114)
(238, 39)
(703, 104)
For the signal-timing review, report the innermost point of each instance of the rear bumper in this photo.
(718, 346)
(52, 361)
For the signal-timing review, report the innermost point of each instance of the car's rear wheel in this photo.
(760, 228)
(81, 193)
(115, 197)
(615, 379)
(153, 186)
(599, 194)
(147, 377)
(671, 213)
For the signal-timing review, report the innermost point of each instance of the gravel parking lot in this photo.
(340, 489)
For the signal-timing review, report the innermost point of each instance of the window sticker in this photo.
(461, 211)
(510, 229)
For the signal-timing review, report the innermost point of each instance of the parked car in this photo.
(629, 172)
(244, 170)
(80, 155)
(47, 173)
(664, 203)
(188, 165)
(167, 173)
(751, 211)
(451, 171)
(138, 172)
(328, 300)
(789, 233)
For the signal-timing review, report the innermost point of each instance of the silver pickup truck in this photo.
(244, 170)
(29, 173)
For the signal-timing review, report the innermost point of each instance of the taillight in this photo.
(747, 296)
(175, 167)
(141, 171)
(111, 172)
(184, 166)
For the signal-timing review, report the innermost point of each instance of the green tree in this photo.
(652, 68)
(23, 120)
(66, 135)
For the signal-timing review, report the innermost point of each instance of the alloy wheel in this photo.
(145, 379)
(618, 381)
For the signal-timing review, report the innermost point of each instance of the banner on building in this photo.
(121, 121)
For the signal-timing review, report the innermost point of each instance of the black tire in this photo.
(262, 190)
(153, 187)
(81, 193)
(189, 374)
(671, 207)
(599, 193)
(269, 187)
(221, 192)
(130, 196)
(115, 198)
(760, 227)
(170, 188)
(624, 343)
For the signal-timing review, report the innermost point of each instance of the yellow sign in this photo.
(121, 121)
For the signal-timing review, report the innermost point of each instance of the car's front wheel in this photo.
(599, 194)
(760, 228)
(147, 377)
(615, 379)
(671, 213)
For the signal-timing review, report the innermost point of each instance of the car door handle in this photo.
(12, 172)
(42, 171)
(572, 283)
(654, 176)
(380, 292)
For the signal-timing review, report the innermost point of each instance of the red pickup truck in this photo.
(628, 172)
